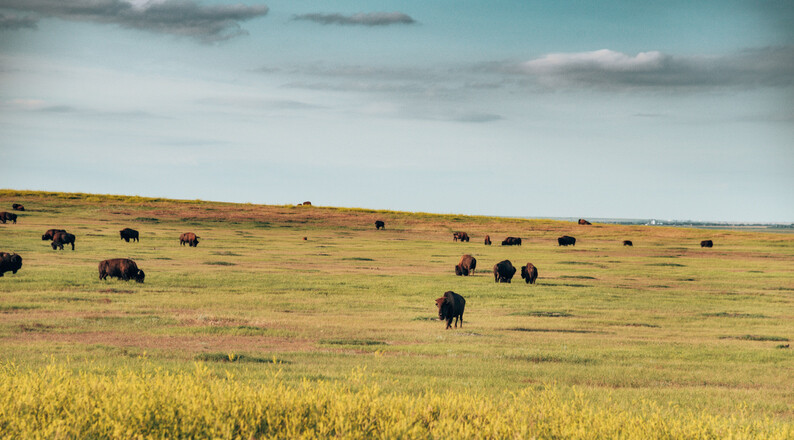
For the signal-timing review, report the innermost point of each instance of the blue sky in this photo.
(679, 110)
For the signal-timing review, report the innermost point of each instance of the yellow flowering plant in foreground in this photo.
(56, 402)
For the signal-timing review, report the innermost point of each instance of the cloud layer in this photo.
(176, 17)
(11, 22)
(371, 19)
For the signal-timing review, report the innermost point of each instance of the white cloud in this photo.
(604, 59)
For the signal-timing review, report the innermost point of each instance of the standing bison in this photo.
(190, 238)
(466, 266)
(379, 224)
(128, 234)
(529, 273)
(487, 240)
(462, 236)
(18, 207)
(123, 268)
(51, 233)
(627, 243)
(706, 243)
(451, 306)
(8, 217)
(511, 241)
(566, 241)
(61, 238)
(9, 263)
(503, 271)
(583, 222)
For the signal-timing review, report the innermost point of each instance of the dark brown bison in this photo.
(462, 236)
(466, 266)
(706, 243)
(128, 234)
(8, 217)
(487, 240)
(451, 306)
(511, 241)
(61, 238)
(503, 271)
(9, 263)
(306, 203)
(529, 273)
(379, 224)
(190, 238)
(627, 243)
(18, 207)
(566, 241)
(51, 233)
(123, 268)
(583, 222)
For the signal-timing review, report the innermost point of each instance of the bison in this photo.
(123, 268)
(128, 234)
(190, 238)
(583, 222)
(9, 263)
(462, 236)
(466, 266)
(511, 241)
(51, 233)
(529, 273)
(706, 243)
(566, 241)
(450, 306)
(18, 207)
(379, 224)
(8, 217)
(503, 271)
(627, 243)
(307, 203)
(61, 238)
(487, 240)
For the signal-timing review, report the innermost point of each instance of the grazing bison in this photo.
(9, 263)
(128, 234)
(583, 222)
(379, 224)
(8, 217)
(123, 268)
(503, 271)
(61, 238)
(566, 241)
(487, 240)
(529, 273)
(706, 243)
(466, 266)
(511, 241)
(462, 236)
(18, 207)
(450, 306)
(627, 243)
(307, 203)
(51, 233)
(190, 238)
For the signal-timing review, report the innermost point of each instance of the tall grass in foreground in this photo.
(56, 402)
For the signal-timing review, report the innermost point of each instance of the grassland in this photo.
(663, 323)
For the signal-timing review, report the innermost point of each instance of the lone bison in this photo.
(128, 234)
(503, 271)
(123, 268)
(61, 238)
(8, 217)
(379, 224)
(627, 243)
(190, 238)
(9, 263)
(583, 222)
(511, 241)
(462, 236)
(466, 266)
(51, 233)
(487, 240)
(529, 273)
(706, 243)
(307, 203)
(18, 207)
(566, 241)
(451, 306)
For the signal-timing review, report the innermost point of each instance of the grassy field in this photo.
(664, 323)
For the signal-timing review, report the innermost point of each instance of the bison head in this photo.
(442, 307)
(140, 276)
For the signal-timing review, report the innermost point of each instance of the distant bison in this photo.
(379, 224)
(61, 238)
(128, 234)
(583, 222)
(503, 271)
(487, 240)
(123, 268)
(529, 273)
(706, 243)
(511, 241)
(51, 233)
(9, 263)
(18, 207)
(462, 236)
(627, 243)
(8, 217)
(307, 203)
(566, 241)
(190, 238)
(451, 306)
(466, 266)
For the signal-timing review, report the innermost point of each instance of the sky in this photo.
(611, 109)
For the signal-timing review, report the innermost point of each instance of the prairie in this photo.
(663, 323)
